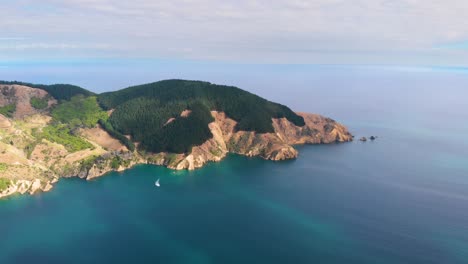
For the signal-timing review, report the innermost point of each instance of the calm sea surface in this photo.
(400, 199)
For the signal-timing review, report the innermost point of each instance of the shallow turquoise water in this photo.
(400, 199)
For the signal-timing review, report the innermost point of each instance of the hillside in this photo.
(57, 91)
(143, 112)
(48, 133)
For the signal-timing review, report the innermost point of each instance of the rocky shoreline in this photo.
(25, 186)
(270, 146)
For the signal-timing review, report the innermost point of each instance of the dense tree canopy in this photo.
(251, 111)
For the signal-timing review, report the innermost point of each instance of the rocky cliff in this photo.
(271, 146)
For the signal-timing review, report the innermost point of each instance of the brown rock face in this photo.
(21, 96)
(271, 146)
(318, 130)
(4, 122)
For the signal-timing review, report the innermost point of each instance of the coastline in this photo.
(276, 146)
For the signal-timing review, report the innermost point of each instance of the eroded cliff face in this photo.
(318, 130)
(271, 146)
(21, 96)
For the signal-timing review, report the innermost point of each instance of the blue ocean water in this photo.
(400, 199)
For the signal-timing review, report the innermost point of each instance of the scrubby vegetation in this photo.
(115, 162)
(39, 103)
(80, 111)
(3, 167)
(61, 134)
(8, 110)
(58, 91)
(142, 112)
(4, 183)
(118, 161)
(88, 163)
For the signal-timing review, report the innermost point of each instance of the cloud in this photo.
(11, 38)
(258, 30)
(51, 46)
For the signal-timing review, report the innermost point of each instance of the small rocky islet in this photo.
(371, 138)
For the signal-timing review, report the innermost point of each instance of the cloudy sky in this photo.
(403, 32)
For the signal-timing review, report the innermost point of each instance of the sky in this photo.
(58, 40)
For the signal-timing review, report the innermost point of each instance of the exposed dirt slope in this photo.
(21, 96)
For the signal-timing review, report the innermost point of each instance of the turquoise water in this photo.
(400, 199)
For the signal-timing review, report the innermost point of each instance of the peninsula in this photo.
(52, 131)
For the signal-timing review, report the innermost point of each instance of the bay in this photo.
(400, 199)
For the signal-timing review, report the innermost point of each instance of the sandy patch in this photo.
(186, 113)
(169, 121)
(4, 122)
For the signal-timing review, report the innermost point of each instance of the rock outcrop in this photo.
(26, 186)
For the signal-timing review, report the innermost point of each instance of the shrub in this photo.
(60, 133)
(39, 103)
(79, 111)
(4, 184)
(8, 110)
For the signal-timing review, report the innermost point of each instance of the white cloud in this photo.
(50, 46)
(258, 30)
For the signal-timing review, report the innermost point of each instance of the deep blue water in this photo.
(400, 199)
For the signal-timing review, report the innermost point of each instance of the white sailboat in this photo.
(157, 183)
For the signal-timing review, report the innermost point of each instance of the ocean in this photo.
(402, 198)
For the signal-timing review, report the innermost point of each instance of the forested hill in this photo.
(58, 91)
(151, 113)
(143, 111)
